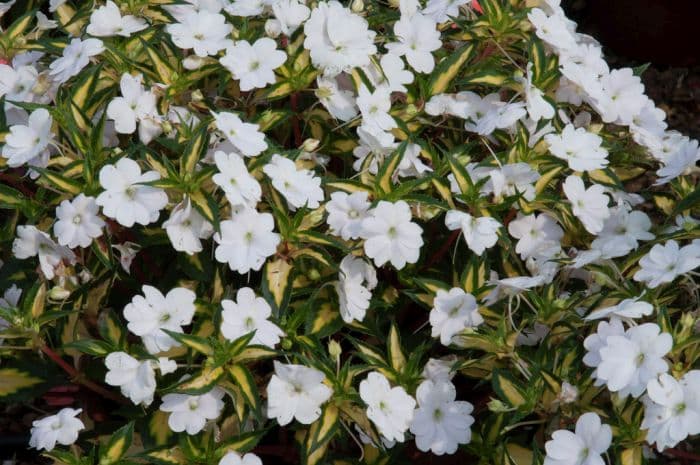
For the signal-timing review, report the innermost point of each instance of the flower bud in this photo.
(58, 293)
(568, 393)
(357, 6)
(310, 145)
(273, 28)
(193, 62)
(334, 349)
(197, 96)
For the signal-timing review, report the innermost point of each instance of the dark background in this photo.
(663, 33)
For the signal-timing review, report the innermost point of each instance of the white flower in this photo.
(390, 409)
(290, 14)
(137, 380)
(107, 21)
(537, 106)
(299, 187)
(61, 428)
(672, 409)
(246, 241)
(375, 107)
(622, 97)
(356, 280)
(665, 262)
(296, 391)
(135, 105)
(588, 205)
(346, 213)
(10, 298)
(440, 369)
(203, 31)
(247, 314)
(240, 187)
(253, 65)
(442, 10)
(507, 180)
(191, 7)
(340, 103)
(417, 38)
(622, 232)
(391, 236)
(75, 57)
(453, 311)
(391, 73)
(485, 115)
(630, 361)
(186, 227)
(584, 447)
(535, 233)
(338, 39)
(441, 423)
(77, 222)
(479, 233)
(679, 162)
(375, 144)
(125, 199)
(190, 413)
(127, 253)
(598, 340)
(149, 314)
(246, 137)
(581, 149)
(27, 142)
(234, 458)
(17, 83)
(628, 308)
(32, 242)
(552, 29)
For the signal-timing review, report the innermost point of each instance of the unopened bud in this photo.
(193, 62)
(273, 28)
(58, 293)
(197, 96)
(313, 274)
(310, 145)
(357, 6)
(334, 349)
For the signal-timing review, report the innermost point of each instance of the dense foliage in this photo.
(237, 231)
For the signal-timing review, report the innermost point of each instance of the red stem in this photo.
(78, 377)
(437, 256)
(682, 454)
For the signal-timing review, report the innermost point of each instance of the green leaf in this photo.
(10, 198)
(508, 388)
(202, 382)
(35, 300)
(110, 328)
(90, 347)
(464, 181)
(20, 26)
(118, 444)
(277, 283)
(448, 68)
(196, 343)
(195, 150)
(382, 182)
(242, 377)
(320, 434)
(396, 355)
(60, 182)
(14, 380)
(207, 207)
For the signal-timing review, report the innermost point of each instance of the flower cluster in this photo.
(312, 231)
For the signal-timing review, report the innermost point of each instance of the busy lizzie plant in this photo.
(369, 232)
